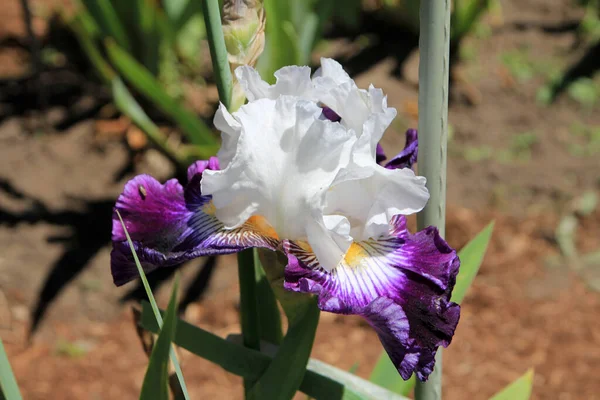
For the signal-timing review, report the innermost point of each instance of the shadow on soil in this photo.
(90, 227)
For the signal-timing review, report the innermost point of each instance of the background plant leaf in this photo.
(9, 389)
(142, 80)
(329, 383)
(518, 390)
(156, 380)
(156, 312)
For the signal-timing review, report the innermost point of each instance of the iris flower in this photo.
(299, 172)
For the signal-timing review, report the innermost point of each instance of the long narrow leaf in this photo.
(270, 318)
(386, 375)
(471, 257)
(156, 380)
(84, 35)
(139, 77)
(285, 373)
(155, 309)
(320, 383)
(518, 390)
(128, 106)
(107, 18)
(9, 389)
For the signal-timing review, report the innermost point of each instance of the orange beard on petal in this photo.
(261, 226)
(355, 255)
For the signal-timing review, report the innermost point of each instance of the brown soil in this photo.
(524, 310)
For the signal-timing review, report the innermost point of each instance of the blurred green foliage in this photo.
(154, 47)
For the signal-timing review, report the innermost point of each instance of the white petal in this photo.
(332, 70)
(291, 81)
(370, 196)
(230, 132)
(253, 85)
(285, 160)
(329, 240)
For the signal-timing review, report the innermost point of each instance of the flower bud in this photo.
(244, 31)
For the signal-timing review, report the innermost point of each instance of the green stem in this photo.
(268, 312)
(248, 305)
(434, 46)
(218, 51)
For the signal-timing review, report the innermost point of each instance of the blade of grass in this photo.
(142, 80)
(471, 258)
(156, 380)
(86, 41)
(126, 103)
(386, 375)
(321, 381)
(518, 390)
(9, 389)
(155, 309)
(108, 20)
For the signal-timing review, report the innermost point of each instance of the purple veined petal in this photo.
(169, 224)
(380, 154)
(408, 156)
(199, 166)
(401, 284)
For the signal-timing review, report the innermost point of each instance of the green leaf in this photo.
(9, 389)
(284, 375)
(518, 390)
(175, 9)
(139, 77)
(466, 13)
(279, 50)
(270, 318)
(157, 315)
(84, 34)
(128, 106)
(386, 375)
(150, 36)
(321, 381)
(156, 380)
(471, 257)
(108, 20)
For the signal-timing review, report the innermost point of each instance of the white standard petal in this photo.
(290, 81)
(285, 160)
(369, 195)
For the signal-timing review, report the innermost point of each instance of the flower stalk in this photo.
(218, 50)
(434, 46)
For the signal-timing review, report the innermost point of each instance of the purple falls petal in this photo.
(401, 284)
(169, 225)
(408, 156)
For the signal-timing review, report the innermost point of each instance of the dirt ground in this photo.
(510, 160)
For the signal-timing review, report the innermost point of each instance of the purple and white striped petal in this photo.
(408, 156)
(169, 224)
(401, 284)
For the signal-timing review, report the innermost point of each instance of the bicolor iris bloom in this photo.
(299, 172)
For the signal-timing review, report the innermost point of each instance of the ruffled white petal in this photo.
(285, 160)
(311, 179)
(290, 81)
